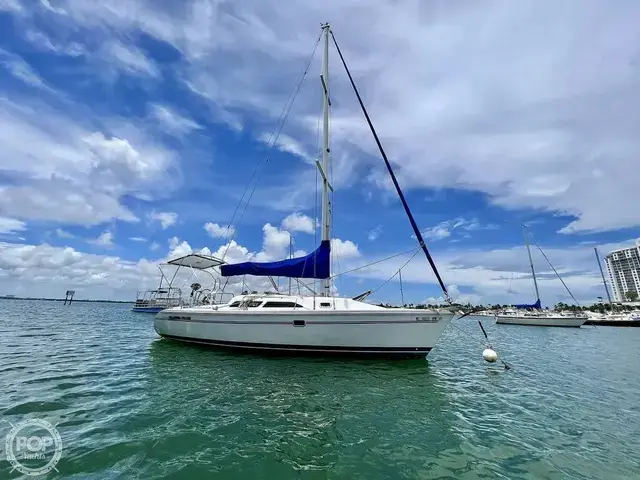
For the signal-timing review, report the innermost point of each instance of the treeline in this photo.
(561, 306)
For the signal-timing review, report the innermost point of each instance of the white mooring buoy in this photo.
(489, 355)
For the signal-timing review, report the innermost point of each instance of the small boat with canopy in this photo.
(168, 296)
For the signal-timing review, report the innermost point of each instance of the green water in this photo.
(129, 405)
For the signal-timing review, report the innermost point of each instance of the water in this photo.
(128, 405)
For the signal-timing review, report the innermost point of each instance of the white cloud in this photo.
(484, 97)
(10, 6)
(63, 233)
(166, 219)
(537, 121)
(40, 270)
(54, 201)
(287, 144)
(178, 248)
(298, 222)
(129, 59)
(173, 122)
(501, 275)
(437, 232)
(492, 276)
(446, 228)
(11, 225)
(217, 231)
(105, 239)
(154, 246)
(65, 172)
(454, 293)
(375, 233)
(47, 5)
(344, 249)
(275, 244)
(20, 69)
(138, 239)
(43, 42)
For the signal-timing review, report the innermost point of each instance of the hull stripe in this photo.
(290, 322)
(322, 349)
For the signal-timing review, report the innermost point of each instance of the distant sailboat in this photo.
(532, 314)
(313, 324)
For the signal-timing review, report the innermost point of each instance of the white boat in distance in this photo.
(540, 319)
(533, 315)
(318, 324)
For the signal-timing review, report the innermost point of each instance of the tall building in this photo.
(623, 266)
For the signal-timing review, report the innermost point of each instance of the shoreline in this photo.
(84, 300)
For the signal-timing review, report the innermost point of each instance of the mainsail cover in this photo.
(314, 265)
(525, 305)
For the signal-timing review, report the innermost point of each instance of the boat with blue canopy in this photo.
(318, 323)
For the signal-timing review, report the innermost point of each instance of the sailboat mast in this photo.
(326, 206)
(533, 270)
(604, 282)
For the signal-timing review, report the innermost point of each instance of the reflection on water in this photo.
(127, 403)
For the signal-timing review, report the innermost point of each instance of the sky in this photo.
(131, 131)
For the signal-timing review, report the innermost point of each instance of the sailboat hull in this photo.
(360, 334)
(541, 321)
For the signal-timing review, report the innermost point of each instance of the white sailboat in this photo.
(533, 314)
(315, 324)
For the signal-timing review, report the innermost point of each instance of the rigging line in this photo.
(284, 114)
(392, 276)
(332, 217)
(376, 262)
(305, 286)
(316, 222)
(553, 268)
(416, 230)
(483, 344)
(274, 142)
(416, 249)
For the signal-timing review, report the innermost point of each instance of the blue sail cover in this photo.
(524, 305)
(314, 265)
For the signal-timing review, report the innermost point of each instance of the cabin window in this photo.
(254, 304)
(235, 304)
(281, 305)
(325, 304)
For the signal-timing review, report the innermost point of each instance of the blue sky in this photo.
(130, 130)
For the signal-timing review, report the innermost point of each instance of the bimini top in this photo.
(525, 305)
(314, 265)
(198, 261)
